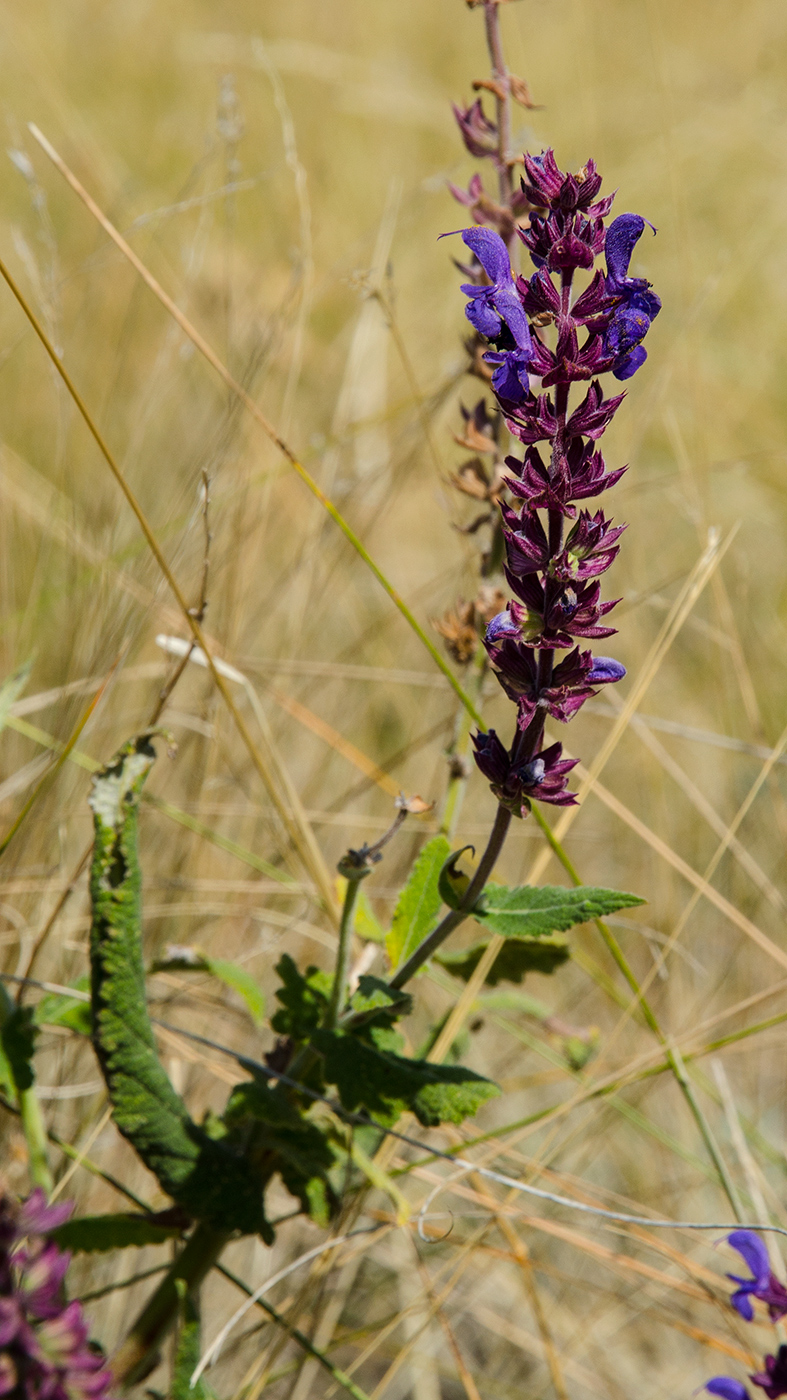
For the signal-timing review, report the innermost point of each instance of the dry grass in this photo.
(269, 174)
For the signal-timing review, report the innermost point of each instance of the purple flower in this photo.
(636, 306)
(548, 187)
(555, 613)
(773, 1380)
(516, 784)
(500, 302)
(570, 684)
(764, 1283)
(578, 476)
(45, 1353)
(727, 1388)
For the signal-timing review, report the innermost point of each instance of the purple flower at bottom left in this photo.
(45, 1353)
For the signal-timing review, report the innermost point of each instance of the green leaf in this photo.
(533, 911)
(375, 1003)
(96, 1234)
(18, 1033)
(453, 882)
(516, 958)
(12, 688)
(304, 999)
(187, 959)
(57, 1009)
(293, 1145)
(419, 902)
(371, 1076)
(204, 1176)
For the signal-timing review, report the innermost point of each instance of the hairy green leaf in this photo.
(369, 1075)
(419, 902)
(304, 999)
(95, 1234)
(375, 1003)
(290, 1144)
(58, 1009)
(516, 958)
(202, 1175)
(188, 959)
(534, 911)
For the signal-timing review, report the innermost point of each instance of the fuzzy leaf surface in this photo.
(536, 911)
(516, 958)
(370, 1075)
(304, 999)
(96, 1234)
(204, 1176)
(419, 902)
(291, 1145)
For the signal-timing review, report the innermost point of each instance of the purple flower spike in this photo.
(764, 1283)
(539, 329)
(44, 1349)
(727, 1388)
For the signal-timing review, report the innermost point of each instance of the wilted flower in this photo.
(44, 1349)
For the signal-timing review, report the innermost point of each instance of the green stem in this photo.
(36, 1138)
(339, 988)
(136, 1357)
(456, 917)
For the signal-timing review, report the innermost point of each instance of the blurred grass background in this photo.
(272, 165)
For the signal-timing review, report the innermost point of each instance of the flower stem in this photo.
(339, 988)
(456, 917)
(500, 75)
(137, 1356)
(36, 1139)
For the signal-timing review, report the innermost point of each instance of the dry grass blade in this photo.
(254, 409)
(303, 842)
(677, 862)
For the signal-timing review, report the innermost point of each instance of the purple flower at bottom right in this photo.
(773, 1380)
